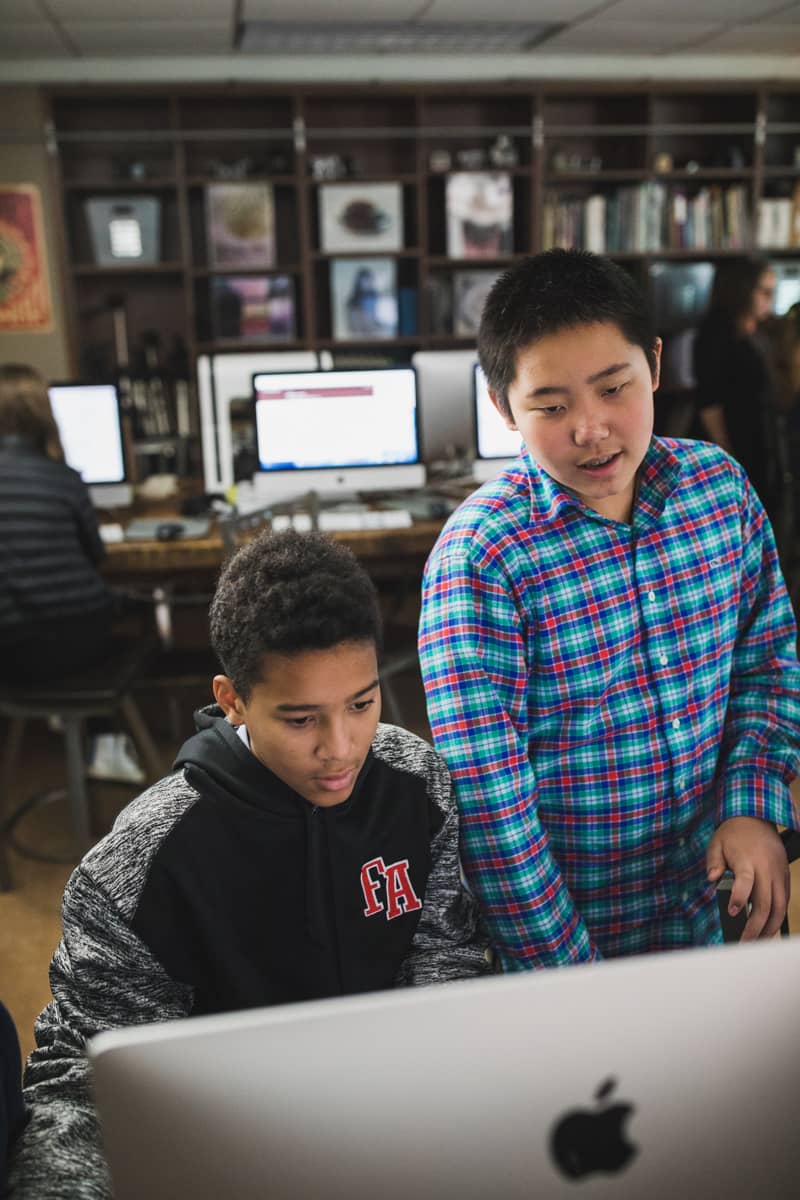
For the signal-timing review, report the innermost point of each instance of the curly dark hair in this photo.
(555, 290)
(288, 592)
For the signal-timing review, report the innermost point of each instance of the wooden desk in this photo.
(386, 553)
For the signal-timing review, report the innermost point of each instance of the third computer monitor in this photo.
(496, 444)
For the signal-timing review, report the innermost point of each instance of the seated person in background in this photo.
(56, 611)
(607, 647)
(12, 1113)
(299, 850)
(735, 393)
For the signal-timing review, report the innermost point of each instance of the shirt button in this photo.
(682, 842)
(676, 724)
(662, 658)
(684, 897)
(651, 596)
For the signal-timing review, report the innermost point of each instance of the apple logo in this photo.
(587, 1140)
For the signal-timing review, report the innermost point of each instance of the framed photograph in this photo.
(240, 223)
(360, 217)
(257, 307)
(363, 298)
(479, 207)
(470, 289)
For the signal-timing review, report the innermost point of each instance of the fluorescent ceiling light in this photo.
(392, 37)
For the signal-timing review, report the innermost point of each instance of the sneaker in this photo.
(113, 758)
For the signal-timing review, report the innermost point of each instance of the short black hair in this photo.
(288, 592)
(555, 290)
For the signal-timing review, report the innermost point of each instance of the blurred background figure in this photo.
(12, 1113)
(56, 611)
(735, 385)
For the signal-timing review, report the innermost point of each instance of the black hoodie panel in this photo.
(256, 897)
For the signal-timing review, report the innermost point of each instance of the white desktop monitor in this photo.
(89, 425)
(787, 286)
(336, 432)
(445, 400)
(497, 446)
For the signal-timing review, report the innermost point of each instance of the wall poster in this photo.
(25, 305)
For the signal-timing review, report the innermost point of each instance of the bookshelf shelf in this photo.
(656, 148)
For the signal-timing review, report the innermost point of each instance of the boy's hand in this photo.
(755, 853)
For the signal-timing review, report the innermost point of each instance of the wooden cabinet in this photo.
(648, 175)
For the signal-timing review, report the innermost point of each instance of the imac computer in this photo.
(88, 420)
(336, 432)
(497, 446)
(224, 388)
(787, 286)
(445, 401)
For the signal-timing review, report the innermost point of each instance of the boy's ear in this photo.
(506, 419)
(657, 345)
(228, 699)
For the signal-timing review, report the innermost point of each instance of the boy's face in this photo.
(312, 717)
(582, 399)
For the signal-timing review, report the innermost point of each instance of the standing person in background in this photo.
(735, 391)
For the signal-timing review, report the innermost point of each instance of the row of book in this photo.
(779, 221)
(649, 217)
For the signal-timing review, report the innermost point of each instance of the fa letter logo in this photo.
(400, 894)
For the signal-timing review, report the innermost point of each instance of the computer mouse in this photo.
(168, 531)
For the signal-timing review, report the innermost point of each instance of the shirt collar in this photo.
(658, 477)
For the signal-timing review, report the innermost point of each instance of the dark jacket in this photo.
(49, 544)
(12, 1113)
(221, 888)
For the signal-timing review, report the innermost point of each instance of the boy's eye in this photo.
(615, 389)
(298, 722)
(551, 410)
(362, 705)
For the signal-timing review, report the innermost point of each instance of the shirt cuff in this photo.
(756, 794)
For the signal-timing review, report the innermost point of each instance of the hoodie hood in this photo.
(217, 763)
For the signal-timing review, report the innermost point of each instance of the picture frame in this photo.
(253, 308)
(360, 217)
(470, 289)
(479, 207)
(240, 225)
(364, 303)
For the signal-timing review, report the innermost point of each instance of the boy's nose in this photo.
(334, 743)
(589, 429)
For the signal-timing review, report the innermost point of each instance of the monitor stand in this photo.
(111, 495)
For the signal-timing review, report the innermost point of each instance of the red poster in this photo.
(24, 287)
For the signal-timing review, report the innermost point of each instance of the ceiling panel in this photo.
(151, 38)
(604, 36)
(702, 11)
(508, 10)
(133, 12)
(756, 39)
(326, 11)
(32, 41)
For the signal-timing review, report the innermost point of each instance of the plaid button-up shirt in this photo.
(605, 695)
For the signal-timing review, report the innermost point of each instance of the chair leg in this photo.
(142, 737)
(16, 729)
(76, 784)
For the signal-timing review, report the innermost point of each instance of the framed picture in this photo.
(470, 289)
(25, 305)
(480, 214)
(258, 307)
(360, 217)
(363, 298)
(240, 222)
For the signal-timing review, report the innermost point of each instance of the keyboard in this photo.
(145, 529)
(341, 520)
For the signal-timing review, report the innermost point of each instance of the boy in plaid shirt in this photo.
(607, 646)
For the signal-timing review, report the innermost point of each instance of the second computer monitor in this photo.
(88, 420)
(497, 445)
(336, 432)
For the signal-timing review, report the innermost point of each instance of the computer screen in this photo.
(445, 403)
(88, 420)
(336, 431)
(787, 286)
(497, 445)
